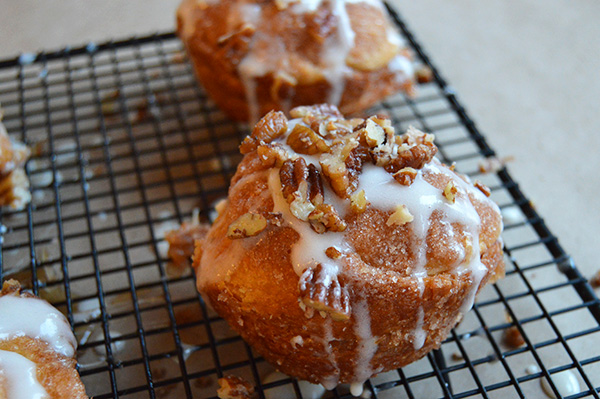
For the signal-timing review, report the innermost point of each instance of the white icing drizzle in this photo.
(419, 334)
(330, 381)
(42, 322)
(309, 250)
(367, 346)
(20, 375)
(336, 51)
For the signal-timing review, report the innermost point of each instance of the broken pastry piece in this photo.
(345, 250)
(14, 185)
(254, 56)
(37, 348)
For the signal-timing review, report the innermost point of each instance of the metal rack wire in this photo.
(126, 145)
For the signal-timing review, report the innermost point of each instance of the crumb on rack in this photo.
(512, 337)
(595, 280)
(233, 387)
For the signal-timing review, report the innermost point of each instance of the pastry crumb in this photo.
(233, 387)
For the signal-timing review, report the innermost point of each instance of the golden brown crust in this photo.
(264, 299)
(218, 37)
(56, 373)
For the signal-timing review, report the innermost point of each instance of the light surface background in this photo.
(528, 72)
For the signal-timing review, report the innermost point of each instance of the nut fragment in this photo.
(595, 280)
(304, 140)
(324, 292)
(271, 126)
(272, 155)
(400, 217)
(233, 387)
(450, 192)
(343, 165)
(358, 202)
(302, 187)
(275, 218)
(325, 218)
(333, 253)
(373, 133)
(513, 338)
(247, 225)
(483, 188)
(405, 176)
(424, 74)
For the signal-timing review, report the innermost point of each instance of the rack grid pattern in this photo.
(126, 146)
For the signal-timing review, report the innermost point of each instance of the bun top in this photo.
(359, 196)
(296, 41)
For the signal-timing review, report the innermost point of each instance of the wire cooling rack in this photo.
(126, 146)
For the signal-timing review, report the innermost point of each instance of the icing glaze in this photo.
(20, 375)
(43, 322)
(366, 346)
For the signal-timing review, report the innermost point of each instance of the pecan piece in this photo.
(325, 218)
(343, 165)
(483, 188)
(247, 225)
(302, 187)
(271, 126)
(414, 157)
(400, 217)
(358, 202)
(405, 176)
(304, 140)
(272, 155)
(450, 192)
(324, 292)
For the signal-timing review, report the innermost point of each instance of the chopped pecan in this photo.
(450, 192)
(333, 253)
(325, 218)
(373, 134)
(271, 126)
(247, 225)
(414, 157)
(316, 110)
(483, 188)
(400, 217)
(275, 218)
(304, 140)
(272, 154)
(343, 165)
(405, 176)
(324, 292)
(302, 187)
(513, 338)
(358, 202)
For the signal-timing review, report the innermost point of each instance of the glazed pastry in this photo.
(37, 348)
(343, 250)
(14, 185)
(253, 56)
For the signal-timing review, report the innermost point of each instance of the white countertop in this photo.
(527, 71)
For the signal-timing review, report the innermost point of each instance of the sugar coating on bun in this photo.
(253, 56)
(345, 250)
